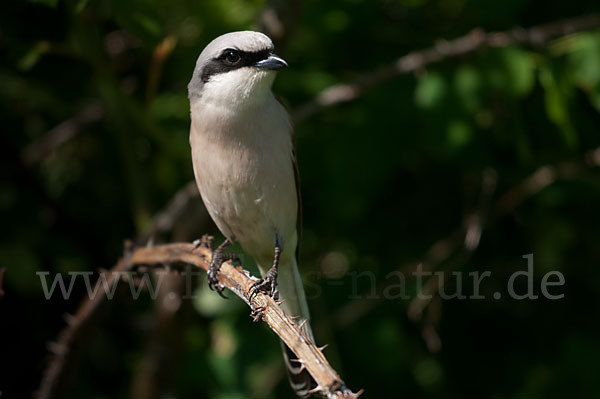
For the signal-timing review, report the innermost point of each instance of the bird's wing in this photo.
(298, 195)
(296, 178)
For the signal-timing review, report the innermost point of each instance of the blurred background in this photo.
(466, 163)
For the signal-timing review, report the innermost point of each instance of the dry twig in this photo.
(236, 279)
(536, 36)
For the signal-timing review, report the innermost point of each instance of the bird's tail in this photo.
(291, 290)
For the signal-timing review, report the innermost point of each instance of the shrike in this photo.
(245, 167)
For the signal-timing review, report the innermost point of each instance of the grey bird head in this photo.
(235, 68)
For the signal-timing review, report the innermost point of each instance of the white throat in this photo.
(236, 90)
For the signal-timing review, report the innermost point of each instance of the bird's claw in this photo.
(257, 313)
(215, 265)
(266, 285)
(214, 284)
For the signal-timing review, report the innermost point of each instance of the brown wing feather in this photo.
(298, 195)
(297, 178)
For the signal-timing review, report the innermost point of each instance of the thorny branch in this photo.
(71, 339)
(536, 36)
(271, 22)
(236, 279)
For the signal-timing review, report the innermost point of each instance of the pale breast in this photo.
(244, 172)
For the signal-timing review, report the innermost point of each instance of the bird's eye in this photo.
(231, 57)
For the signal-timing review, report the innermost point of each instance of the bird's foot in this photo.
(266, 285)
(257, 313)
(215, 265)
(217, 260)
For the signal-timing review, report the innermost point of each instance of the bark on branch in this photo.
(235, 278)
(536, 36)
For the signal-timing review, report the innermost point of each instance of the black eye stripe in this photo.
(220, 64)
(246, 58)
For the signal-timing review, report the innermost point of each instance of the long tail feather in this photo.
(291, 289)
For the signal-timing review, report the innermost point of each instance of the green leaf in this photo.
(557, 106)
(459, 133)
(520, 67)
(430, 90)
(584, 61)
(31, 58)
(467, 84)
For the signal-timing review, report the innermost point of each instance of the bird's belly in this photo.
(250, 202)
(237, 209)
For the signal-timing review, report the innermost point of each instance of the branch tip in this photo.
(177, 257)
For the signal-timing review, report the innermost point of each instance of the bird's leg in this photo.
(269, 282)
(217, 260)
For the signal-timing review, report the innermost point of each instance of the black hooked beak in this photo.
(272, 63)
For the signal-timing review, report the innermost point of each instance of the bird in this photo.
(245, 166)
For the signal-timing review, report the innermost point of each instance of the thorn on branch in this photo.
(238, 281)
(315, 390)
(257, 313)
(128, 247)
(56, 348)
(69, 319)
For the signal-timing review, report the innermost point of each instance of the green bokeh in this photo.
(95, 122)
